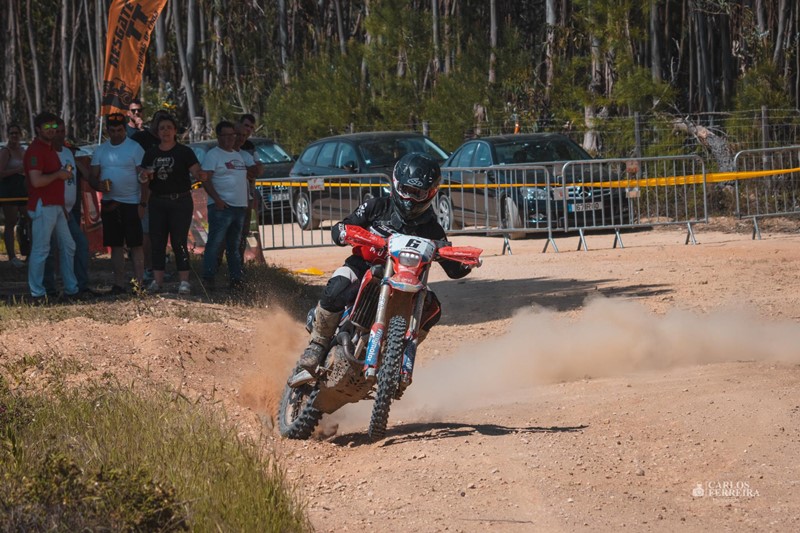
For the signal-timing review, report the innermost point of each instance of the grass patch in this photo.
(114, 458)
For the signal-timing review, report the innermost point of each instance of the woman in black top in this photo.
(170, 167)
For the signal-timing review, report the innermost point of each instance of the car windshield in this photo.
(542, 151)
(385, 152)
(271, 153)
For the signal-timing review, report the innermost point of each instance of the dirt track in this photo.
(582, 390)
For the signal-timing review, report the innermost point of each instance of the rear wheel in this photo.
(297, 417)
(511, 219)
(304, 213)
(388, 378)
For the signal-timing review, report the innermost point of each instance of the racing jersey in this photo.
(379, 216)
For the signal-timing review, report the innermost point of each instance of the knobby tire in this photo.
(301, 423)
(388, 378)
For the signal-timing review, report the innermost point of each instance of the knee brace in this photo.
(339, 291)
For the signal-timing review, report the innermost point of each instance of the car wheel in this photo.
(510, 219)
(444, 213)
(303, 212)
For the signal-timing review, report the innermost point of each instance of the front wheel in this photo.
(297, 417)
(388, 378)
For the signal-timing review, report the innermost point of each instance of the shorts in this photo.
(13, 187)
(121, 224)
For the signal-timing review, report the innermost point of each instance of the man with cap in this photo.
(115, 172)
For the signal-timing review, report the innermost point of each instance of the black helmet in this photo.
(415, 180)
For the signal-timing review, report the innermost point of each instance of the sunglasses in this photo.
(49, 126)
(116, 117)
(135, 110)
(15, 133)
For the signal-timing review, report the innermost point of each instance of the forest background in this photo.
(624, 77)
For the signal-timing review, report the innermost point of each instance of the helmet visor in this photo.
(410, 192)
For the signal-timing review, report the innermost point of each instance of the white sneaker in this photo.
(154, 287)
(184, 288)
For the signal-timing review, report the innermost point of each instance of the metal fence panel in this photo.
(767, 183)
(633, 192)
(298, 212)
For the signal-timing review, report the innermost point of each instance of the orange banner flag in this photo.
(130, 25)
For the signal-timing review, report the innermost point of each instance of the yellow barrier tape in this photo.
(690, 179)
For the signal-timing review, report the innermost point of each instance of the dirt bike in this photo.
(373, 350)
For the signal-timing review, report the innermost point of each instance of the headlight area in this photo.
(409, 259)
(535, 193)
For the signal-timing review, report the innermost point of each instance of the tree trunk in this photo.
(492, 41)
(340, 27)
(10, 64)
(283, 42)
(448, 61)
(777, 54)
(186, 80)
(590, 140)
(92, 58)
(704, 74)
(550, 19)
(437, 63)
(161, 50)
(37, 83)
(367, 44)
(655, 45)
(66, 95)
(191, 38)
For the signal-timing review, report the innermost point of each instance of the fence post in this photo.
(764, 127)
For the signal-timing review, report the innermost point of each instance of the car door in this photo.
(459, 189)
(328, 202)
(485, 192)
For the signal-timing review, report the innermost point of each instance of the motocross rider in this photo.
(408, 210)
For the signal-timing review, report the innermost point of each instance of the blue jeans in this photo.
(81, 263)
(224, 226)
(46, 221)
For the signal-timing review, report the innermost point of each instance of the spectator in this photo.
(148, 138)
(45, 180)
(169, 168)
(13, 194)
(115, 168)
(244, 129)
(227, 202)
(72, 208)
(135, 120)
(247, 124)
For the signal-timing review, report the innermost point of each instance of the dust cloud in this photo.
(278, 341)
(610, 338)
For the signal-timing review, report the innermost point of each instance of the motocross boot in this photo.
(325, 323)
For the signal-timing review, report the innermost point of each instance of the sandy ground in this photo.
(653, 387)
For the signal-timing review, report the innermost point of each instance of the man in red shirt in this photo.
(45, 179)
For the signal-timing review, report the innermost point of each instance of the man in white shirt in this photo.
(72, 207)
(115, 172)
(227, 203)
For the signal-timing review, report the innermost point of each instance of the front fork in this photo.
(412, 336)
(378, 327)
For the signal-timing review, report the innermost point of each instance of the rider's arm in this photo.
(362, 216)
